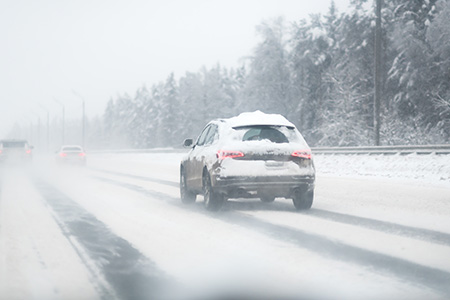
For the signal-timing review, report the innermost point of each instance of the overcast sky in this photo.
(95, 49)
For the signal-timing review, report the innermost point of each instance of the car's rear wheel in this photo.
(213, 200)
(187, 197)
(303, 199)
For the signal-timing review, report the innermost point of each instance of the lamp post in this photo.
(38, 134)
(377, 77)
(27, 133)
(31, 132)
(83, 125)
(48, 126)
(63, 121)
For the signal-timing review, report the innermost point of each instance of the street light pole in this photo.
(63, 121)
(48, 127)
(83, 125)
(38, 135)
(31, 132)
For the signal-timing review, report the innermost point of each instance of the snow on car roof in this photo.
(258, 118)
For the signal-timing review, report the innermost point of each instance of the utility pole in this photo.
(39, 133)
(377, 83)
(31, 132)
(83, 118)
(84, 126)
(37, 139)
(48, 128)
(63, 121)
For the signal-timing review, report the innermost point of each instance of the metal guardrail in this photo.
(367, 150)
(385, 150)
(152, 150)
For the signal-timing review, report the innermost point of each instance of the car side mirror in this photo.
(188, 143)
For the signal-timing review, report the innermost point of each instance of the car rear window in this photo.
(274, 134)
(72, 149)
(13, 144)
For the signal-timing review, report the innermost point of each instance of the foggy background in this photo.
(101, 48)
(150, 75)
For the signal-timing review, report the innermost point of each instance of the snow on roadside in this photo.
(426, 169)
(432, 169)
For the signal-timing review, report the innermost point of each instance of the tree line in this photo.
(319, 73)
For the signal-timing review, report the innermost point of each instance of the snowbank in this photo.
(429, 168)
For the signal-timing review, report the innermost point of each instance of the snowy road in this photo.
(117, 230)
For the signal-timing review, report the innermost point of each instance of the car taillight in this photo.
(28, 151)
(222, 154)
(82, 154)
(63, 154)
(306, 154)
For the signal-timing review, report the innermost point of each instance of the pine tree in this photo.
(268, 82)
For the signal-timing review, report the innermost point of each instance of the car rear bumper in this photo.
(255, 186)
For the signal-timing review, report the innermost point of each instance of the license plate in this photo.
(274, 164)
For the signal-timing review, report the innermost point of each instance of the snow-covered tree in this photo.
(268, 84)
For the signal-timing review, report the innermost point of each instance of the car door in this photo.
(202, 152)
(194, 162)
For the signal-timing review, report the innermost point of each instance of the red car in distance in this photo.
(71, 154)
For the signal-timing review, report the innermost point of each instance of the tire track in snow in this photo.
(152, 179)
(383, 226)
(373, 224)
(130, 274)
(435, 279)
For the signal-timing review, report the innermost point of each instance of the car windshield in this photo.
(274, 134)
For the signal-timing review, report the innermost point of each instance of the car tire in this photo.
(187, 197)
(303, 199)
(267, 199)
(213, 200)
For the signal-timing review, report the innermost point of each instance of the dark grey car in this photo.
(15, 151)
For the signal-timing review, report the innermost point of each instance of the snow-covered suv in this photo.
(253, 155)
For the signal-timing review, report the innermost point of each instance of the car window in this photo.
(274, 134)
(264, 133)
(72, 149)
(202, 138)
(14, 144)
(212, 135)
